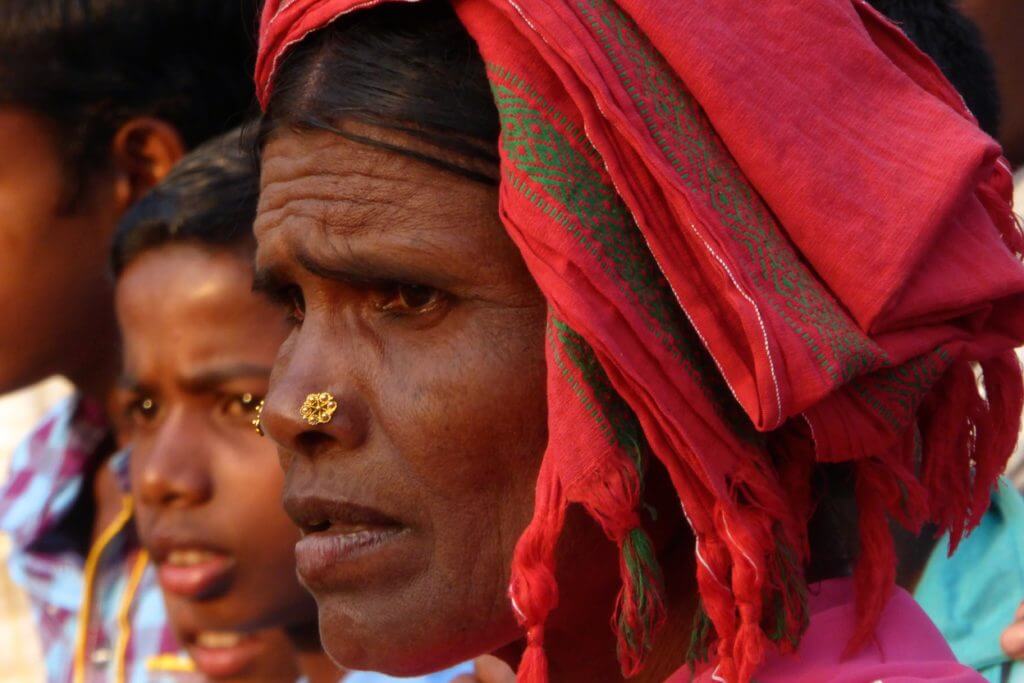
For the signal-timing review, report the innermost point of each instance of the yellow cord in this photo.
(91, 563)
(123, 627)
(170, 663)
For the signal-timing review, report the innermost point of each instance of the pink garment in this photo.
(906, 647)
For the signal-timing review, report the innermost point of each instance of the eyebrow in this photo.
(211, 378)
(130, 383)
(269, 282)
(204, 379)
(363, 271)
(362, 275)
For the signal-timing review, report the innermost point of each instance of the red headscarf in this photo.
(771, 235)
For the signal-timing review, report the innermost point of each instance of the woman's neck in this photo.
(314, 663)
(588, 653)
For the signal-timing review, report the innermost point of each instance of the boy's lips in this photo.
(190, 571)
(223, 654)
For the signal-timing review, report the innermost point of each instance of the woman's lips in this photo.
(223, 655)
(321, 556)
(343, 542)
(194, 573)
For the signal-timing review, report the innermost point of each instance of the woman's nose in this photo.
(307, 412)
(173, 469)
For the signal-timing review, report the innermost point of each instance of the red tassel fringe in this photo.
(534, 589)
(751, 548)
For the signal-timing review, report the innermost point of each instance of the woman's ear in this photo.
(143, 151)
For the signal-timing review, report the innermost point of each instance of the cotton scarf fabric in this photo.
(770, 235)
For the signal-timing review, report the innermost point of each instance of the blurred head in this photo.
(1001, 23)
(198, 347)
(97, 101)
(956, 46)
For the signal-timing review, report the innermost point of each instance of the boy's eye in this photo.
(242, 405)
(142, 410)
(413, 299)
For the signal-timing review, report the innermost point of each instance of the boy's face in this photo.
(56, 315)
(198, 347)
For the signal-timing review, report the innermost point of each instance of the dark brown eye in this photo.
(410, 299)
(296, 305)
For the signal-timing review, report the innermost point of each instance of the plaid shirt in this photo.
(100, 618)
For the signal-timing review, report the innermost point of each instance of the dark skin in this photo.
(413, 307)
(198, 346)
(1002, 23)
(58, 315)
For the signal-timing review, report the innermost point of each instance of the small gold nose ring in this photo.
(257, 420)
(318, 408)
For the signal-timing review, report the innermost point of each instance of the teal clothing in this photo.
(972, 596)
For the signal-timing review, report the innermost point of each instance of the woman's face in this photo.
(198, 347)
(413, 308)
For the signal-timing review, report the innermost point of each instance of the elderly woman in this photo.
(710, 280)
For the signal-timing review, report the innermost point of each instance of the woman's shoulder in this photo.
(907, 646)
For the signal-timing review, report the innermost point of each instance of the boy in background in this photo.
(98, 101)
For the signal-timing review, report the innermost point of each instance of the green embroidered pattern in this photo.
(681, 130)
(580, 200)
(895, 393)
(557, 172)
(555, 339)
(615, 418)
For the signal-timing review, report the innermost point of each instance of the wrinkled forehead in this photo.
(322, 168)
(332, 199)
(346, 189)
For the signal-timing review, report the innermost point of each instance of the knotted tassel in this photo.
(746, 536)
(947, 426)
(533, 667)
(996, 435)
(612, 496)
(533, 589)
(875, 572)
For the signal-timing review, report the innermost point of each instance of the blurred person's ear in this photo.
(143, 152)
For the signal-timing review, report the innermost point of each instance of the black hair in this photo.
(90, 65)
(956, 46)
(209, 199)
(412, 69)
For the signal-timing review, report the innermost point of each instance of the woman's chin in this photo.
(389, 638)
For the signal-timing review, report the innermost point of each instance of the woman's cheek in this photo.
(473, 421)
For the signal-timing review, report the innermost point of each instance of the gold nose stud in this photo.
(257, 420)
(318, 408)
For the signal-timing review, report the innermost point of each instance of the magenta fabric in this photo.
(906, 646)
